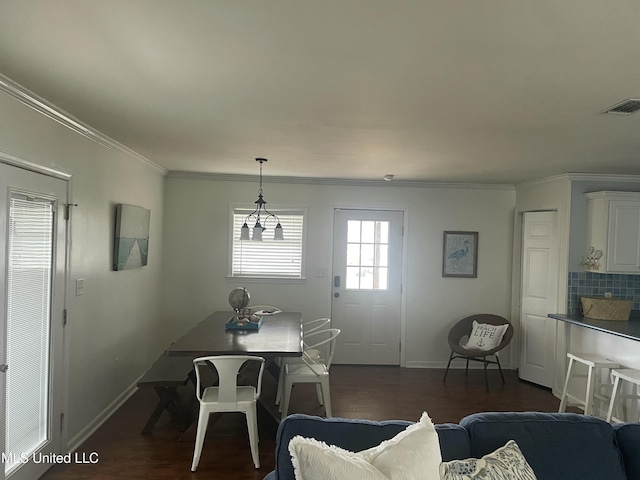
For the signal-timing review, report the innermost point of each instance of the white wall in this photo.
(197, 243)
(118, 316)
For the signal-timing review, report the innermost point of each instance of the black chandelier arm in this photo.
(256, 214)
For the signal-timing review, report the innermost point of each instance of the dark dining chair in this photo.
(461, 331)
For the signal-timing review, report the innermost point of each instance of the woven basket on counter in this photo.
(602, 308)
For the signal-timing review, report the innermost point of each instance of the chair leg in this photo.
(319, 394)
(588, 401)
(280, 382)
(447, 370)
(326, 393)
(500, 368)
(486, 379)
(286, 396)
(563, 399)
(614, 392)
(203, 421)
(252, 427)
(466, 369)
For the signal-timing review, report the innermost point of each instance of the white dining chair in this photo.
(226, 396)
(311, 371)
(307, 328)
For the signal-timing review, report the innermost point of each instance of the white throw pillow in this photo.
(412, 454)
(505, 462)
(485, 336)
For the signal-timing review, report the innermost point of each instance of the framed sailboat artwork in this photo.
(131, 243)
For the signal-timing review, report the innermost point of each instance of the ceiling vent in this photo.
(626, 107)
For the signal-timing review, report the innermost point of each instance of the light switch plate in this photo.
(79, 287)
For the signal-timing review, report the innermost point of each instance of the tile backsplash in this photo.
(589, 284)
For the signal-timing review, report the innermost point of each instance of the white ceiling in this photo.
(481, 91)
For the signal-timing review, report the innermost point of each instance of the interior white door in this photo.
(32, 274)
(538, 297)
(367, 290)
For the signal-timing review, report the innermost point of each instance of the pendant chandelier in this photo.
(261, 209)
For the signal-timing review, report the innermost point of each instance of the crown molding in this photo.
(597, 177)
(9, 159)
(56, 113)
(334, 181)
(586, 177)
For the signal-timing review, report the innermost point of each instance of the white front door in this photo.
(367, 290)
(539, 297)
(32, 282)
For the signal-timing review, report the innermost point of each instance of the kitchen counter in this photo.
(627, 329)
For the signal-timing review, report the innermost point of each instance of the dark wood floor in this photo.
(377, 393)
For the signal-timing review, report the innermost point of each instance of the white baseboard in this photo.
(454, 365)
(74, 443)
(420, 364)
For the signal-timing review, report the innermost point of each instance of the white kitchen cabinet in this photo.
(613, 226)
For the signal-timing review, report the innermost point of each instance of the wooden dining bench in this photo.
(165, 376)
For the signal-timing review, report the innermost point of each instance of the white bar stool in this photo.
(628, 375)
(595, 365)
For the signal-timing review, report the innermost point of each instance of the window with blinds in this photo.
(29, 273)
(269, 258)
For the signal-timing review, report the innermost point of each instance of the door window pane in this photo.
(381, 276)
(353, 254)
(382, 232)
(368, 249)
(382, 255)
(366, 278)
(353, 231)
(367, 255)
(368, 232)
(353, 278)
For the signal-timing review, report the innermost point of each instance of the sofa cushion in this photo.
(558, 446)
(357, 435)
(628, 438)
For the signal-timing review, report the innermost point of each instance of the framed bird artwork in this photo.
(460, 254)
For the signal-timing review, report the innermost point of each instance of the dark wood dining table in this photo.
(280, 335)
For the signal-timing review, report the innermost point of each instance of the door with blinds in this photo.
(32, 274)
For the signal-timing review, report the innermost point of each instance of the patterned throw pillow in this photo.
(485, 336)
(412, 454)
(506, 463)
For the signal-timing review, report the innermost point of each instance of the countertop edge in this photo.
(629, 329)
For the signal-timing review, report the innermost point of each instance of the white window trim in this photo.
(277, 209)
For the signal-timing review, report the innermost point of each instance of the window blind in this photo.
(269, 258)
(28, 319)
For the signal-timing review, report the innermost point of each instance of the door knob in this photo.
(4, 367)
(336, 294)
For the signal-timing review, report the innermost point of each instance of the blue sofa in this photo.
(558, 446)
